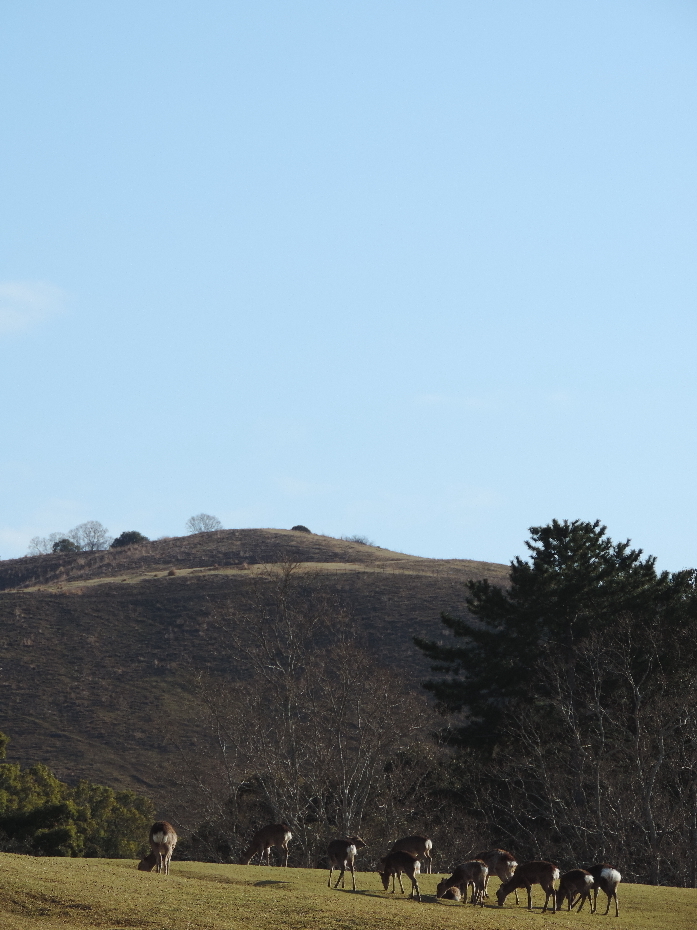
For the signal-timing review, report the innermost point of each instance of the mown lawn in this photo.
(47, 894)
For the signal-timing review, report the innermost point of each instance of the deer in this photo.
(341, 853)
(275, 834)
(452, 894)
(396, 862)
(500, 862)
(147, 863)
(607, 879)
(163, 839)
(473, 873)
(419, 846)
(576, 882)
(527, 875)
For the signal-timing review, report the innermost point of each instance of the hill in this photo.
(80, 894)
(94, 646)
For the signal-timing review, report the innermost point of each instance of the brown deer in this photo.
(607, 879)
(395, 863)
(575, 882)
(148, 863)
(528, 874)
(419, 846)
(472, 873)
(452, 894)
(341, 854)
(163, 839)
(500, 863)
(276, 834)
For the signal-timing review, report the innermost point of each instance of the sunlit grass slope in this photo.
(47, 894)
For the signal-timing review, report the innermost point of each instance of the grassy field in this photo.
(47, 894)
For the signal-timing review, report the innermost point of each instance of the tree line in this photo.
(92, 536)
(562, 724)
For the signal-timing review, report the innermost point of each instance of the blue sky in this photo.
(423, 271)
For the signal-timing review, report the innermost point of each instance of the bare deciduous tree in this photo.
(203, 523)
(90, 536)
(313, 733)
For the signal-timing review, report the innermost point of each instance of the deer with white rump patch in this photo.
(163, 839)
(528, 874)
(606, 879)
(341, 854)
(395, 863)
(275, 834)
(419, 846)
(576, 882)
(500, 863)
(472, 873)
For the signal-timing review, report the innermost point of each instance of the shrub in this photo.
(65, 545)
(363, 540)
(129, 538)
(300, 529)
(41, 815)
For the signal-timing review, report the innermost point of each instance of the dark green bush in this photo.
(129, 538)
(43, 816)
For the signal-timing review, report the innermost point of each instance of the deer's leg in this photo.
(401, 886)
(595, 900)
(617, 907)
(415, 884)
(286, 849)
(529, 897)
(353, 875)
(331, 872)
(340, 878)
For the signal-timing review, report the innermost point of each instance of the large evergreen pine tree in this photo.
(575, 581)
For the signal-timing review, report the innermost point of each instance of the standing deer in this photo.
(607, 879)
(395, 863)
(163, 839)
(576, 882)
(472, 873)
(341, 854)
(527, 875)
(419, 846)
(501, 863)
(276, 834)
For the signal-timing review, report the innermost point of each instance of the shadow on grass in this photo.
(270, 881)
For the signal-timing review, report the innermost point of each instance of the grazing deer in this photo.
(452, 894)
(419, 846)
(472, 873)
(501, 863)
(341, 854)
(395, 863)
(607, 879)
(148, 863)
(163, 839)
(276, 834)
(527, 875)
(575, 882)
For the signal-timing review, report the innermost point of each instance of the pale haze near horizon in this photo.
(423, 272)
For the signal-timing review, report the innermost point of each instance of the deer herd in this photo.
(405, 858)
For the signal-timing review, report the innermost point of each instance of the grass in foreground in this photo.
(77, 894)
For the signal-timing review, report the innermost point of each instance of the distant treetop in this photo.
(129, 538)
(87, 537)
(203, 523)
(300, 529)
